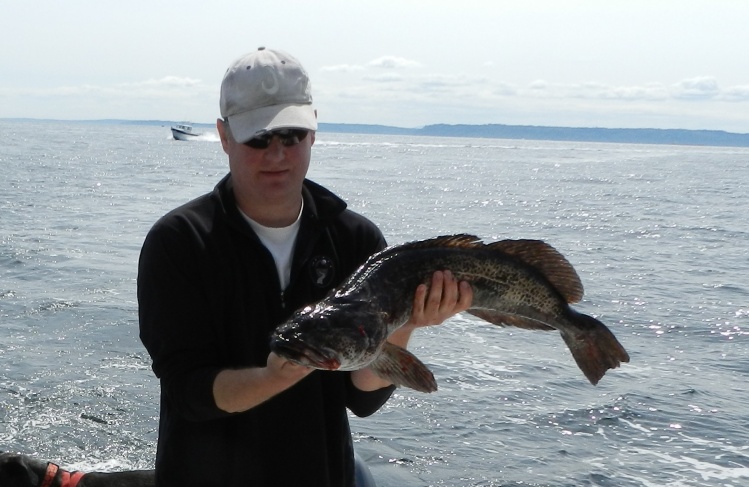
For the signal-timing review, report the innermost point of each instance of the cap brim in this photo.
(246, 125)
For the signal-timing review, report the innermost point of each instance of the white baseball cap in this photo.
(264, 90)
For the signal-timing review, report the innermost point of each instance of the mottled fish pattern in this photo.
(521, 283)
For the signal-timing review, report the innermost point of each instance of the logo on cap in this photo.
(269, 74)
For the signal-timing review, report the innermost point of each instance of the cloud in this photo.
(691, 89)
(650, 91)
(399, 83)
(382, 62)
(539, 84)
(447, 81)
(343, 68)
(736, 93)
(168, 82)
(703, 87)
(417, 97)
(166, 87)
(385, 78)
(393, 62)
(600, 91)
(594, 90)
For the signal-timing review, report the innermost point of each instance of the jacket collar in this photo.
(319, 202)
(323, 204)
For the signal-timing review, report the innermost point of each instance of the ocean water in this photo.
(658, 234)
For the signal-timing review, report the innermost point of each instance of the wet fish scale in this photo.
(521, 283)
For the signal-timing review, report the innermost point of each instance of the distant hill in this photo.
(530, 132)
(498, 131)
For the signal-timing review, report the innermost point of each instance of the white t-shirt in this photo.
(280, 242)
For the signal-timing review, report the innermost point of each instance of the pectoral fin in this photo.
(401, 367)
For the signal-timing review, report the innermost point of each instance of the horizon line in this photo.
(445, 124)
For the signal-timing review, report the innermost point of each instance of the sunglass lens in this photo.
(260, 141)
(288, 138)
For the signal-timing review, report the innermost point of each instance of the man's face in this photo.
(270, 176)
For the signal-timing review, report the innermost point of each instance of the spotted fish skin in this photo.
(520, 283)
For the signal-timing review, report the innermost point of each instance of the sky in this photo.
(407, 63)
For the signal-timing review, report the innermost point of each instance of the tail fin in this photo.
(593, 346)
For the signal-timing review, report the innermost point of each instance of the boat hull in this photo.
(182, 135)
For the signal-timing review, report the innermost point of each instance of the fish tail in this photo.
(593, 346)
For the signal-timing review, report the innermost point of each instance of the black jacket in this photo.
(209, 297)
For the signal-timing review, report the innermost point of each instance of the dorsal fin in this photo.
(536, 253)
(460, 241)
(549, 262)
(455, 241)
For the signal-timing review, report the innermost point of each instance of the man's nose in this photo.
(275, 150)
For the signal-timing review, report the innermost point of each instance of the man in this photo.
(217, 275)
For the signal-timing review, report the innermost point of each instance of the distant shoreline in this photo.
(500, 131)
(571, 134)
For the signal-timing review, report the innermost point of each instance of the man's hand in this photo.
(444, 298)
(284, 371)
(237, 390)
(433, 304)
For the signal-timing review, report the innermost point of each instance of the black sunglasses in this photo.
(287, 137)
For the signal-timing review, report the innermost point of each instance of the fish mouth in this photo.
(303, 354)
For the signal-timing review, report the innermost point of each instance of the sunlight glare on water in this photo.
(655, 232)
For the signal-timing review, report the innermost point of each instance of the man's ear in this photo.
(223, 133)
(312, 142)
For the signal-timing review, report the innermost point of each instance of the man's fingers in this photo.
(465, 294)
(450, 294)
(419, 299)
(434, 299)
(441, 299)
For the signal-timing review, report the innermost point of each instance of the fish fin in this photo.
(401, 367)
(463, 240)
(536, 253)
(505, 319)
(548, 261)
(594, 347)
(460, 241)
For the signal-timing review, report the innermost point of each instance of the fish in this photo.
(519, 282)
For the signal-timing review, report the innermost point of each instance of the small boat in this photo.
(184, 131)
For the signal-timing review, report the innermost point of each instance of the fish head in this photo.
(346, 335)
